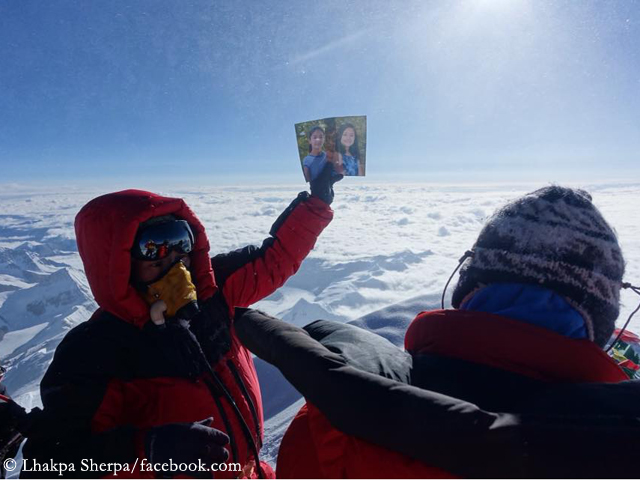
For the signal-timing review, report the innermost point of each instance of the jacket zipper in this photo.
(217, 386)
(245, 392)
(225, 420)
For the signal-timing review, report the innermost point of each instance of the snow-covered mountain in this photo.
(53, 296)
(43, 300)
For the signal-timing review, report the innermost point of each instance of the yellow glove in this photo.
(175, 289)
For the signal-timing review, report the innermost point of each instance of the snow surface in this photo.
(389, 247)
(17, 338)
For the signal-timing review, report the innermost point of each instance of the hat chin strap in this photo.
(636, 290)
(588, 322)
(467, 254)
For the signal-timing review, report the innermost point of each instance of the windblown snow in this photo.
(385, 257)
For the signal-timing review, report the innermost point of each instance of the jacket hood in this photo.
(105, 230)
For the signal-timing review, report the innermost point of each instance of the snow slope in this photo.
(37, 314)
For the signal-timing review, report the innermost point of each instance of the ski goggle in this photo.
(158, 241)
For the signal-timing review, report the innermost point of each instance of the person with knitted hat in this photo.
(536, 302)
(548, 259)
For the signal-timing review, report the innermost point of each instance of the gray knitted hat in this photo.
(555, 238)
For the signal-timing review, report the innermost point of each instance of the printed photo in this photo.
(339, 141)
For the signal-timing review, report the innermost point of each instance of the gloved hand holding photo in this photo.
(322, 185)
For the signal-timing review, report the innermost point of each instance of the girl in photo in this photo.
(348, 154)
(317, 159)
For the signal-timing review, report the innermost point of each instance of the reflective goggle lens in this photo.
(157, 241)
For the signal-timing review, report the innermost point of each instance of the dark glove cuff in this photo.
(302, 196)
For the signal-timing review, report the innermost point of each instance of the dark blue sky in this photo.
(210, 90)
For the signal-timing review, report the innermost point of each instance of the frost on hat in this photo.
(555, 238)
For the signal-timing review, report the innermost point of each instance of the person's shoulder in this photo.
(103, 331)
(97, 349)
(103, 323)
(308, 160)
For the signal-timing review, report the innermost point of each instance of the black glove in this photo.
(186, 443)
(322, 185)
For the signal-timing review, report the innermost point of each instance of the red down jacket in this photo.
(492, 361)
(111, 379)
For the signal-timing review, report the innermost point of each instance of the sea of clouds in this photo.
(388, 245)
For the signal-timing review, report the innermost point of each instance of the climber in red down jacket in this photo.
(535, 304)
(157, 375)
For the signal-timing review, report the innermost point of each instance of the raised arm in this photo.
(252, 273)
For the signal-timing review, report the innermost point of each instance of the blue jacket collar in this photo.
(530, 304)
